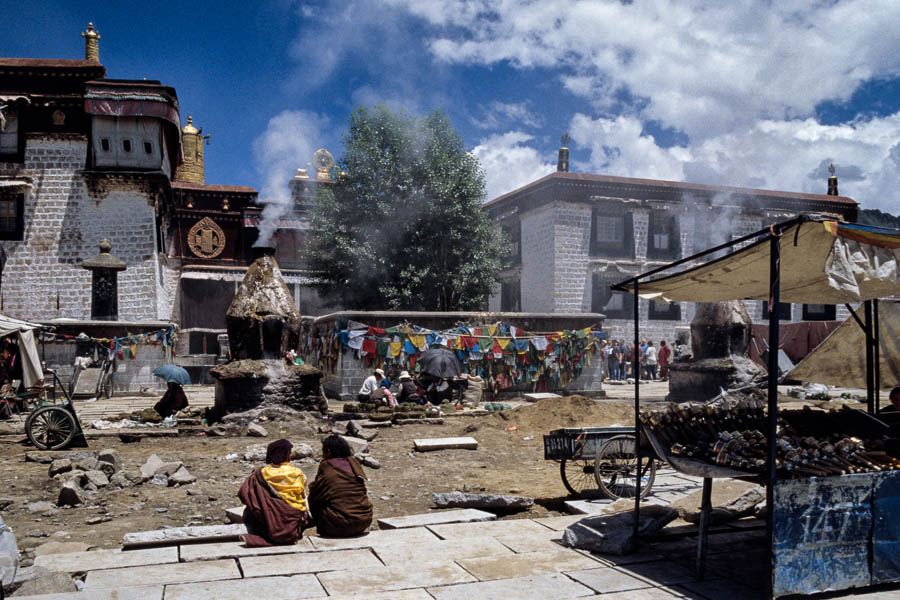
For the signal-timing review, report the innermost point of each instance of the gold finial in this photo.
(189, 128)
(192, 169)
(323, 161)
(91, 43)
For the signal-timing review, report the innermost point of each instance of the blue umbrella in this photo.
(173, 374)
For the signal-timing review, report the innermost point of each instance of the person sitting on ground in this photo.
(894, 397)
(370, 384)
(172, 401)
(383, 396)
(274, 498)
(337, 496)
(409, 391)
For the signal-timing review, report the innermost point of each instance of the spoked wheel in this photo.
(616, 468)
(578, 476)
(50, 428)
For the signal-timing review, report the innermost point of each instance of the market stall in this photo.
(816, 542)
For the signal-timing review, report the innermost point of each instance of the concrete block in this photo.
(466, 515)
(178, 535)
(384, 579)
(538, 587)
(163, 574)
(270, 588)
(78, 562)
(313, 562)
(194, 552)
(429, 445)
(529, 563)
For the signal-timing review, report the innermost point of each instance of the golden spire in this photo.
(91, 43)
(192, 169)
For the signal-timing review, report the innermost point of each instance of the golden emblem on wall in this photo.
(206, 239)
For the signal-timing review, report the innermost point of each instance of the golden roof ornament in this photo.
(91, 43)
(323, 161)
(189, 128)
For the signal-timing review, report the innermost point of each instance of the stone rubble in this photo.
(256, 430)
(614, 534)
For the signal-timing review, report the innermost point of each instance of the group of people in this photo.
(381, 389)
(653, 361)
(279, 505)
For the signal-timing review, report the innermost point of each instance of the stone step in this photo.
(465, 515)
(180, 535)
(431, 444)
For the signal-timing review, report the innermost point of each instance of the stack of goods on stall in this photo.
(729, 432)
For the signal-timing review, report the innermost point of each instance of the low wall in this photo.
(349, 372)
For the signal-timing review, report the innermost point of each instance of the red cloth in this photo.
(269, 519)
(796, 339)
(339, 501)
(369, 346)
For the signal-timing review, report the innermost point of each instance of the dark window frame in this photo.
(514, 231)
(656, 219)
(829, 314)
(672, 312)
(105, 145)
(511, 295)
(625, 249)
(601, 294)
(148, 147)
(19, 154)
(18, 233)
(783, 308)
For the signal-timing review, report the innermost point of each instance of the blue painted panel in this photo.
(886, 533)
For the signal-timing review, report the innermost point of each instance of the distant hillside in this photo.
(873, 216)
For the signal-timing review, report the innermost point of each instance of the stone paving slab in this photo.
(529, 563)
(659, 572)
(235, 514)
(461, 515)
(385, 579)
(489, 528)
(449, 550)
(177, 535)
(538, 587)
(79, 562)
(163, 574)
(376, 538)
(718, 588)
(431, 444)
(293, 587)
(130, 593)
(532, 543)
(416, 594)
(642, 594)
(309, 562)
(605, 506)
(215, 551)
(558, 523)
(608, 579)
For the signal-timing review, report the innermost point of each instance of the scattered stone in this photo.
(302, 451)
(130, 438)
(353, 427)
(256, 430)
(44, 581)
(614, 534)
(161, 509)
(87, 463)
(534, 397)
(149, 468)
(485, 501)
(37, 533)
(367, 434)
(195, 492)
(369, 462)
(39, 507)
(160, 479)
(70, 495)
(177, 535)
(357, 446)
(428, 445)
(731, 499)
(75, 476)
(112, 457)
(134, 477)
(169, 468)
(235, 515)
(60, 548)
(181, 477)
(60, 465)
(97, 478)
(39, 457)
(97, 520)
(119, 480)
(4, 502)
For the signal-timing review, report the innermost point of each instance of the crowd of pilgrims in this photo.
(653, 361)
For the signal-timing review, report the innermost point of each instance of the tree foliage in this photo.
(404, 227)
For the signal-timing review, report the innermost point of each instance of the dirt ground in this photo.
(509, 460)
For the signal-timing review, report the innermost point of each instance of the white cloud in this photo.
(509, 163)
(288, 143)
(497, 114)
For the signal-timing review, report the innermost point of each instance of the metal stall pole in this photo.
(870, 363)
(772, 429)
(636, 368)
(876, 335)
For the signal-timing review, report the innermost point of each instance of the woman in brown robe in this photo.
(337, 497)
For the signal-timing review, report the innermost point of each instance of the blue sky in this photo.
(757, 94)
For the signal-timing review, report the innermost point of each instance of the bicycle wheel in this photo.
(616, 468)
(577, 475)
(50, 428)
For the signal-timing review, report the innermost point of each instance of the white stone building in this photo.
(575, 234)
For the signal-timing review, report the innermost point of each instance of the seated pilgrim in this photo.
(337, 496)
(370, 384)
(409, 391)
(274, 500)
(172, 401)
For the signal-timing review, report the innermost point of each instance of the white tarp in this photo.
(822, 262)
(28, 352)
(841, 358)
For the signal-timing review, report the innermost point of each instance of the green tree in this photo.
(403, 228)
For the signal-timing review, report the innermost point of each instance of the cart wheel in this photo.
(616, 467)
(50, 428)
(578, 476)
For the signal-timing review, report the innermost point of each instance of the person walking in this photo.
(650, 357)
(663, 355)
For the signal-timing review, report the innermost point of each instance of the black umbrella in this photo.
(440, 363)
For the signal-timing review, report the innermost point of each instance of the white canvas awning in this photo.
(822, 262)
(28, 352)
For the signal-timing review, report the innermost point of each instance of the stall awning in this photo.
(822, 262)
(28, 352)
(839, 361)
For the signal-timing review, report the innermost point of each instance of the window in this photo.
(664, 311)
(9, 132)
(819, 312)
(514, 232)
(126, 145)
(615, 305)
(104, 144)
(148, 148)
(511, 296)
(12, 207)
(665, 239)
(612, 233)
(784, 311)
